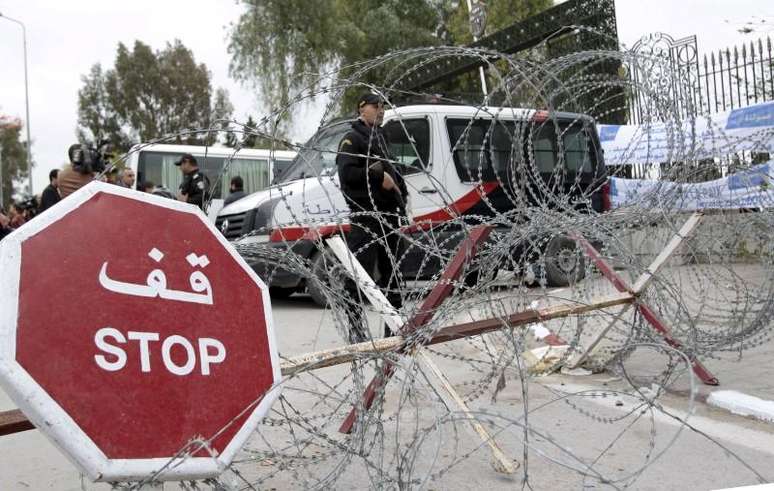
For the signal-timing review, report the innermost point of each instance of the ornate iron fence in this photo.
(724, 80)
(737, 77)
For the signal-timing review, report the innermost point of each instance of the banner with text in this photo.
(748, 189)
(749, 128)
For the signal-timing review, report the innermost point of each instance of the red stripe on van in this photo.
(291, 234)
(466, 202)
(422, 222)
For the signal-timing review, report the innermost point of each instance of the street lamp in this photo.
(26, 96)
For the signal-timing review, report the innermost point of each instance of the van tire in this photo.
(564, 262)
(314, 285)
(279, 293)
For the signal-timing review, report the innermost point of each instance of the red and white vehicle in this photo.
(460, 163)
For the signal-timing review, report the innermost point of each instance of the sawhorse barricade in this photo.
(397, 323)
(636, 290)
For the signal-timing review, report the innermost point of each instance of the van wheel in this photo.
(564, 262)
(278, 293)
(319, 281)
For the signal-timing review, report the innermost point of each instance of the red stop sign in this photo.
(129, 330)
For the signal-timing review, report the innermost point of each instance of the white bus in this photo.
(257, 167)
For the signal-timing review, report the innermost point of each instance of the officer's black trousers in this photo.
(377, 244)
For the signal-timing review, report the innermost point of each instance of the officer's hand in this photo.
(377, 167)
(4, 221)
(182, 197)
(387, 183)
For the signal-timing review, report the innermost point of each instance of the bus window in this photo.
(211, 167)
(254, 173)
(160, 169)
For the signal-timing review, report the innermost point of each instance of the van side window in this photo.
(409, 142)
(579, 151)
(484, 148)
(545, 148)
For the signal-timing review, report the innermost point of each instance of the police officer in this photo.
(195, 184)
(376, 195)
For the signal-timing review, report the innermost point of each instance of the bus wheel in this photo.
(564, 262)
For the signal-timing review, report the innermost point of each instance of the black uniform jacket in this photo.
(49, 198)
(362, 160)
(195, 185)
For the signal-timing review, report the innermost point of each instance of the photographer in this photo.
(85, 163)
(76, 175)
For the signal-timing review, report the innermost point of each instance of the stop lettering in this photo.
(209, 351)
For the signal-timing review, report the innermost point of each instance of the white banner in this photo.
(752, 188)
(747, 128)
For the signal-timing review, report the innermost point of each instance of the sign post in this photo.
(134, 336)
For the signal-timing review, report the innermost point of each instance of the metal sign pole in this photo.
(477, 16)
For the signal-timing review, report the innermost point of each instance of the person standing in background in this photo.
(236, 190)
(126, 178)
(195, 184)
(50, 195)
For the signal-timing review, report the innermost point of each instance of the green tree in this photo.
(255, 136)
(148, 95)
(499, 14)
(249, 139)
(222, 112)
(13, 157)
(97, 118)
(283, 45)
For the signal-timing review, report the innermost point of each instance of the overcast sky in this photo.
(66, 37)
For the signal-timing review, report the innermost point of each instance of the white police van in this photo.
(458, 162)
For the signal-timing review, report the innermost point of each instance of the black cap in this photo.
(369, 98)
(188, 157)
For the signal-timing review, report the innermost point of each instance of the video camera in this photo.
(87, 159)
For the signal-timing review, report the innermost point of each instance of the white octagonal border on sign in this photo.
(50, 417)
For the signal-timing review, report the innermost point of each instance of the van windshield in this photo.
(318, 156)
(485, 148)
